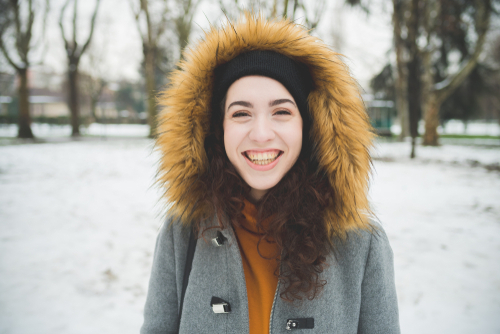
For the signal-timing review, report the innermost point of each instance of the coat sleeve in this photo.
(379, 305)
(161, 309)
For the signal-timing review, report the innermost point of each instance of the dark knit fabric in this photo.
(293, 75)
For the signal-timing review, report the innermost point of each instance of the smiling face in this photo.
(262, 131)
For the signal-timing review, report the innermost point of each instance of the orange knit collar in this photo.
(250, 222)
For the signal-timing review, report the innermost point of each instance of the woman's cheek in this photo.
(230, 140)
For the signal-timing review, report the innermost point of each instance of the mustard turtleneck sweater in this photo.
(259, 272)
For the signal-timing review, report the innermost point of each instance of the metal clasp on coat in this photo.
(291, 324)
(221, 308)
(220, 305)
(219, 239)
(300, 323)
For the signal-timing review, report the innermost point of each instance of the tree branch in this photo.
(41, 38)
(137, 19)
(162, 26)
(61, 25)
(444, 88)
(11, 62)
(285, 10)
(145, 9)
(19, 34)
(75, 45)
(27, 34)
(92, 25)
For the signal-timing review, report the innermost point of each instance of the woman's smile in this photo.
(262, 161)
(262, 158)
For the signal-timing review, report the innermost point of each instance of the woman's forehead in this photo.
(259, 88)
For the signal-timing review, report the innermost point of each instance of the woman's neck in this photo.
(256, 195)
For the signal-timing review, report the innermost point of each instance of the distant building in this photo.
(47, 103)
(382, 114)
(48, 98)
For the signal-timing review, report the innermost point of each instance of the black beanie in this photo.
(293, 75)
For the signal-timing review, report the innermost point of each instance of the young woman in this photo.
(264, 142)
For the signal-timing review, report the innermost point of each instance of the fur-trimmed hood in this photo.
(341, 131)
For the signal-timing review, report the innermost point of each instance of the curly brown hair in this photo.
(293, 210)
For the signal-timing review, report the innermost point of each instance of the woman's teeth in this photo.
(262, 158)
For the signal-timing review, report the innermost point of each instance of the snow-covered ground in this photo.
(78, 222)
(454, 126)
(442, 216)
(42, 130)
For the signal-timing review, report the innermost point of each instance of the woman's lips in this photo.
(262, 160)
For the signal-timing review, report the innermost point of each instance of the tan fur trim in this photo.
(341, 128)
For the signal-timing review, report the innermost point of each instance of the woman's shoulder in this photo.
(364, 246)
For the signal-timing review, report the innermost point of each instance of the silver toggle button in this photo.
(218, 240)
(219, 305)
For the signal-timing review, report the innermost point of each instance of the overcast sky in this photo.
(365, 39)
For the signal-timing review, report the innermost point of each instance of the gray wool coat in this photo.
(359, 297)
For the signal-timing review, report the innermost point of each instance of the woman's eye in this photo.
(240, 114)
(282, 112)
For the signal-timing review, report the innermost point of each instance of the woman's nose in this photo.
(262, 130)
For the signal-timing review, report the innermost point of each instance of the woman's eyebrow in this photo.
(280, 101)
(241, 103)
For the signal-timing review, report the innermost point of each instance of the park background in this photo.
(79, 212)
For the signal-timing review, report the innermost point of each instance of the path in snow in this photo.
(78, 224)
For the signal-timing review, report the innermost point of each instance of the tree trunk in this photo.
(412, 154)
(24, 130)
(431, 118)
(402, 106)
(150, 86)
(93, 109)
(73, 99)
(430, 102)
(95, 94)
(402, 76)
(414, 80)
(414, 100)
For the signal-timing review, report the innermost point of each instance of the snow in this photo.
(78, 222)
(77, 234)
(42, 130)
(457, 127)
(442, 216)
(445, 154)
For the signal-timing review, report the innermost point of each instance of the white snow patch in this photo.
(42, 130)
(443, 221)
(454, 154)
(77, 230)
(457, 127)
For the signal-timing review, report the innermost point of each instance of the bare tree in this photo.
(184, 22)
(93, 74)
(154, 20)
(436, 93)
(425, 32)
(414, 86)
(232, 9)
(401, 89)
(151, 36)
(308, 11)
(93, 85)
(11, 19)
(74, 53)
